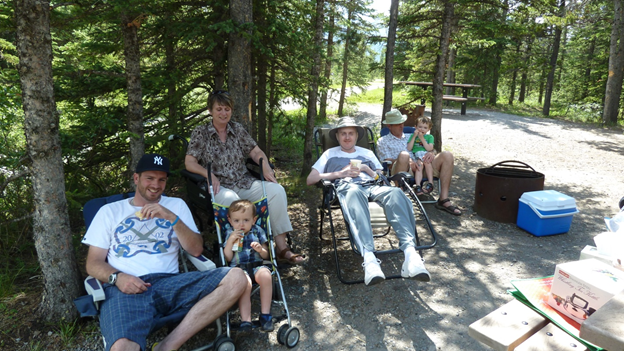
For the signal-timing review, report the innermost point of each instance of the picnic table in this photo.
(463, 99)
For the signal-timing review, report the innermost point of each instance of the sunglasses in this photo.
(219, 92)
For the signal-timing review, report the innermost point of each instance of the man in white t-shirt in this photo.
(355, 186)
(133, 247)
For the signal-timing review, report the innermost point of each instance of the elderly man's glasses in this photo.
(220, 92)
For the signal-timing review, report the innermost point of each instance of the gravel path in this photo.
(475, 258)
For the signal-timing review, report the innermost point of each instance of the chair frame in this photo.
(330, 202)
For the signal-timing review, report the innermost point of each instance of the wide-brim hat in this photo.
(346, 122)
(395, 117)
(153, 162)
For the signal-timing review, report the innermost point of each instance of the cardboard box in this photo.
(592, 252)
(545, 212)
(580, 288)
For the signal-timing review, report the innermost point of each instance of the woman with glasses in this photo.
(226, 144)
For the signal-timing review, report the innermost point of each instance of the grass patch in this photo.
(582, 112)
(376, 96)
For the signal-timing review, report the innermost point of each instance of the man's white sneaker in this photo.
(372, 272)
(414, 268)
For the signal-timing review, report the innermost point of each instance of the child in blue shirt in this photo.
(246, 246)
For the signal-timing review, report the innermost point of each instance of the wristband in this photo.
(176, 221)
(376, 176)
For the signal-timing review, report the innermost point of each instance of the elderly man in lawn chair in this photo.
(134, 246)
(354, 171)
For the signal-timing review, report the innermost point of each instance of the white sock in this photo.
(409, 251)
(369, 256)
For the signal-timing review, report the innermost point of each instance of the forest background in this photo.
(121, 76)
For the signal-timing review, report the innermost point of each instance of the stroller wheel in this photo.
(223, 343)
(281, 334)
(288, 336)
(292, 337)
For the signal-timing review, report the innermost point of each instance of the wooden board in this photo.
(454, 98)
(552, 338)
(507, 327)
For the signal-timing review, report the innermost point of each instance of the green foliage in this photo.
(68, 331)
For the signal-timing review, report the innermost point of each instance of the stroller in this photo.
(286, 334)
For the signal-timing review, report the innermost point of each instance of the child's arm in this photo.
(262, 249)
(410, 142)
(231, 238)
(425, 144)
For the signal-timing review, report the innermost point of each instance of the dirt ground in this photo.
(474, 260)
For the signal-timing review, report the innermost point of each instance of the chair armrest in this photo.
(94, 288)
(387, 167)
(200, 262)
(197, 178)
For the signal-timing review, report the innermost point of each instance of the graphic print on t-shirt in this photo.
(134, 236)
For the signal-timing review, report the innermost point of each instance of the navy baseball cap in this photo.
(153, 162)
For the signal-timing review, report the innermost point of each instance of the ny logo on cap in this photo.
(158, 160)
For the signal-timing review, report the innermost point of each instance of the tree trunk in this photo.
(219, 57)
(328, 61)
(450, 72)
(512, 90)
(239, 62)
(588, 61)
(129, 28)
(51, 230)
(498, 51)
(438, 77)
(262, 104)
(272, 104)
(550, 81)
(616, 67)
(389, 77)
(525, 68)
(542, 75)
(561, 59)
(176, 125)
(345, 65)
(313, 89)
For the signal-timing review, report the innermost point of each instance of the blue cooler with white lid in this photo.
(545, 212)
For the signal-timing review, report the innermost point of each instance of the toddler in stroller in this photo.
(246, 246)
(257, 258)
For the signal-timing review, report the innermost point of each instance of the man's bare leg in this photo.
(207, 310)
(402, 163)
(444, 163)
(125, 345)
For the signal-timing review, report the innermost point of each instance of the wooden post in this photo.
(463, 104)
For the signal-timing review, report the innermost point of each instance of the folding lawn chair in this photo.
(88, 305)
(410, 130)
(286, 334)
(378, 218)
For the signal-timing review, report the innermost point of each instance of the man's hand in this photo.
(129, 284)
(350, 171)
(428, 157)
(154, 210)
